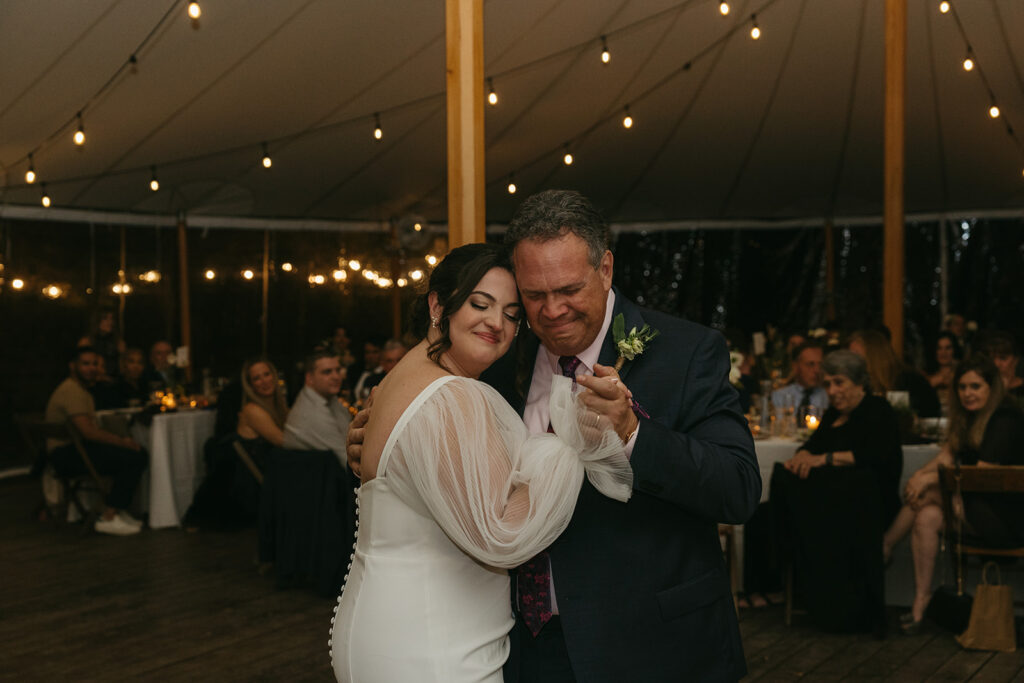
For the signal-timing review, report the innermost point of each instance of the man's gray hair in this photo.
(849, 365)
(392, 344)
(551, 214)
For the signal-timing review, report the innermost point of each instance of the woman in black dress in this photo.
(986, 429)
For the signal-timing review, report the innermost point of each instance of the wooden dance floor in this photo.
(170, 606)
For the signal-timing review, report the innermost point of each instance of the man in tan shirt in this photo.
(118, 457)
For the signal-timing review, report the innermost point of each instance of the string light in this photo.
(30, 174)
(723, 8)
(416, 275)
(512, 183)
(993, 111)
(418, 227)
(80, 132)
(18, 283)
(755, 32)
(369, 274)
(267, 161)
(968, 61)
(606, 56)
(943, 6)
(209, 274)
(492, 97)
(431, 259)
(287, 267)
(627, 120)
(121, 288)
(378, 132)
(567, 157)
(154, 184)
(53, 291)
(194, 10)
(248, 274)
(45, 197)
(354, 265)
(339, 275)
(402, 282)
(150, 276)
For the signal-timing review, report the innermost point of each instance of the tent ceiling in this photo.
(787, 126)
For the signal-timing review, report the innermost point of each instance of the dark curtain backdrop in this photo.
(729, 279)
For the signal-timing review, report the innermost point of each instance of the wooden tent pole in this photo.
(895, 110)
(186, 321)
(464, 28)
(122, 273)
(830, 272)
(266, 290)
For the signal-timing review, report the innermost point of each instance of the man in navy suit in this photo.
(635, 591)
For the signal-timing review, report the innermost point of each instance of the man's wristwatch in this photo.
(828, 458)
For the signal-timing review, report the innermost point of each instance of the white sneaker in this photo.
(128, 519)
(115, 526)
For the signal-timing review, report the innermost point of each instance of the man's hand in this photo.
(132, 444)
(356, 435)
(802, 463)
(607, 396)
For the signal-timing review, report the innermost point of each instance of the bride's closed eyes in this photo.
(481, 301)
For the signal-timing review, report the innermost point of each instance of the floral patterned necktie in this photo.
(535, 575)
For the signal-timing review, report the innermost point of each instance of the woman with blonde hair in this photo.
(264, 409)
(888, 373)
(985, 429)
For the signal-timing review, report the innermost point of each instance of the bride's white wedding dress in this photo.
(427, 594)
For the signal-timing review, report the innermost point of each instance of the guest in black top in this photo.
(888, 373)
(985, 429)
(834, 498)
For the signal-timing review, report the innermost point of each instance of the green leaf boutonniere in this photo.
(631, 345)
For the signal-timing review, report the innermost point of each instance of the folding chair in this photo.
(974, 479)
(35, 430)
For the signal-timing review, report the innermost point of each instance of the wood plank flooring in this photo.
(170, 606)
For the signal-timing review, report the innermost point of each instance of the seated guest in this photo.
(888, 373)
(947, 354)
(161, 374)
(392, 352)
(317, 420)
(985, 429)
(264, 410)
(104, 338)
(835, 497)
(118, 457)
(1001, 347)
(104, 389)
(129, 389)
(369, 366)
(805, 389)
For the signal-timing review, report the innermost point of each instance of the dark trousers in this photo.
(542, 658)
(123, 465)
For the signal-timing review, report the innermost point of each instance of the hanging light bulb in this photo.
(968, 60)
(354, 265)
(53, 291)
(209, 274)
(267, 161)
(606, 56)
(627, 120)
(194, 10)
(492, 97)
(993, 111)
(154, 184)
(339, 275)
(45, 197)
(319, 279)
(248, 274)
(30, 174)
(418, 227)
(431, 259)
(723, 8)
(287, 267)
(943, 6)
(755, 32)
(416, 275)
(567, 157)
(401, 282)
(378, 132)
(512, 183)
(80, 132)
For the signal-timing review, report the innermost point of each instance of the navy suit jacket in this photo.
(642, 588)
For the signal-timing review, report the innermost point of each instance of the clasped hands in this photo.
(803, 462)
(604, 394)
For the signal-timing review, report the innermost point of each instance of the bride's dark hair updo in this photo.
(453, 280)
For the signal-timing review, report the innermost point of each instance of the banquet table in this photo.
(899, 578)
(176, 467)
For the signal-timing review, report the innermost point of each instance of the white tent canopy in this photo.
(727, 129)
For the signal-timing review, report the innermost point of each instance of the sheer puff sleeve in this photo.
(502, 495)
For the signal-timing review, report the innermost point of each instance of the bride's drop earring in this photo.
(434, 320)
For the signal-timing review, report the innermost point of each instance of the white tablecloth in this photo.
(176, 468)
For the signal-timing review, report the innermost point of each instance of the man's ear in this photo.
(605, 269)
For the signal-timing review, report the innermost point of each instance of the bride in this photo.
(455, 491)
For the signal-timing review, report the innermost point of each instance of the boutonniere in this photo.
(631, 345)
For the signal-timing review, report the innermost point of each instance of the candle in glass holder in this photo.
(811, 421)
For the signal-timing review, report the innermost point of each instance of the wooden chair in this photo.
(974, 479)
(248, 461)
(35, 430)
(727, 538)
